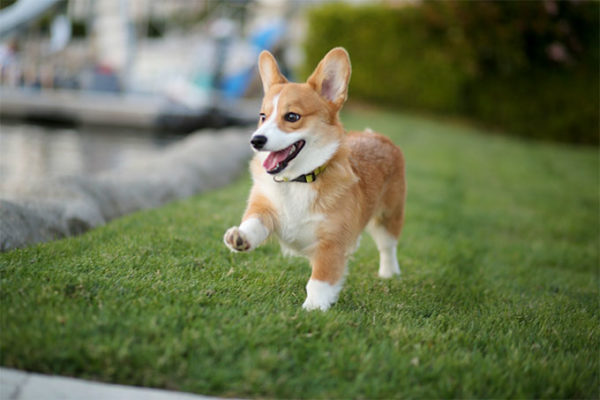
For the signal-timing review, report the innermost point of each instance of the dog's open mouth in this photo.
(276, 161)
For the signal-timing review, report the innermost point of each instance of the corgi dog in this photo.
(316, 187)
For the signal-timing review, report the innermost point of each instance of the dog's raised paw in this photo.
(235, 240)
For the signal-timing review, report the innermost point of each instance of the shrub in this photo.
(529, 68)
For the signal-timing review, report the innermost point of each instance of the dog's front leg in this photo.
(257, 224)
(327, 278)
(249, 235)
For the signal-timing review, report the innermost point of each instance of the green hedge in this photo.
(529, 68)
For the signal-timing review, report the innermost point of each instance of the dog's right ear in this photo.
(269, 71)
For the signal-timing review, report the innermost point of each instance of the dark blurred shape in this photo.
(175, 118)
(529, 68)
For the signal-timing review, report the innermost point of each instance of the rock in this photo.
(71, 205)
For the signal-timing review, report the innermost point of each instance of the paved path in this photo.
(19, 385)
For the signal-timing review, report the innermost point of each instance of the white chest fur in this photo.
(298, 224)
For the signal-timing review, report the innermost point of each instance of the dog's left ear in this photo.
(330, 78)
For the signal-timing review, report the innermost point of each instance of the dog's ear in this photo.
(269, 71)
(330, 78)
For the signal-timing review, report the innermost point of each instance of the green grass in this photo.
(499, 295)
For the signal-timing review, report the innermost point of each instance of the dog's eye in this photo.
(262, 117)
(291, 117)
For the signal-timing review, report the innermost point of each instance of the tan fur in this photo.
(302, 99)
(363, 181)
(260, 207)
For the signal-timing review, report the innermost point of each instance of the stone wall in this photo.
(66, 206)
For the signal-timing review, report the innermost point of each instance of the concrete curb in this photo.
(68, 206)
(19, 385)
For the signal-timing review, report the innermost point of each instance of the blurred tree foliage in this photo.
(530, 68)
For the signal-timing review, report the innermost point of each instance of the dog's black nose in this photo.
(258, 141)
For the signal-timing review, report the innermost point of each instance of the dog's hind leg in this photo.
(385, 226)
(386, 243)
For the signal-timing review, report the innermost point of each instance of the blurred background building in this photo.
(181, 64)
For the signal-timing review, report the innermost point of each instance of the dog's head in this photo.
(298, 129)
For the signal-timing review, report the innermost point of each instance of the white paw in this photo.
(388, 264)
(388, 271)
(312, 304)
(236, 240)
(321, 295)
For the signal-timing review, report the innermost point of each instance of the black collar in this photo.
(306, 178)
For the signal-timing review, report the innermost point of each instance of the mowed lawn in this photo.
(499, 294)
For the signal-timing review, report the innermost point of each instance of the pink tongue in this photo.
(275, 157)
